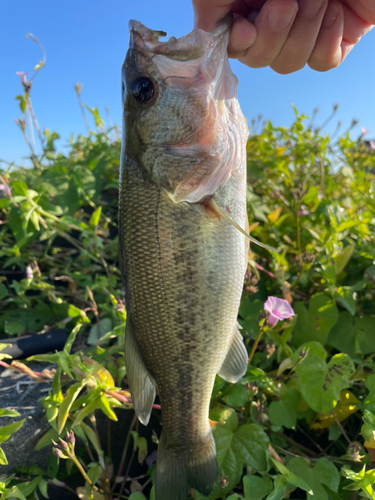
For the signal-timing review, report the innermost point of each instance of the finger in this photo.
(328, 52)
(302, 37)
(242, 35)
(208, 12)
(272, 24)
(354, 26)
(365, 9)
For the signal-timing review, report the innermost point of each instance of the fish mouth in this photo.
(187, 48)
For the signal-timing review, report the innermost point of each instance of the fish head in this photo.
(182, 123)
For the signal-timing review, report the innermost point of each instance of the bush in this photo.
(301, 422)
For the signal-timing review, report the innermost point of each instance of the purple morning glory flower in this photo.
(279, 309)
(22, 76)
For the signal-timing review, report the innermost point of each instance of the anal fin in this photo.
(141, 384)
(235, 363)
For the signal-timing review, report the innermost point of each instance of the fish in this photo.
(182, 241)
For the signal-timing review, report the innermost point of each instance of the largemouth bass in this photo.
(182, 181)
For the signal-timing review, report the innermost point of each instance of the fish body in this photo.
(182, 263)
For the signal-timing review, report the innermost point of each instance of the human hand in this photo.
(287, 34)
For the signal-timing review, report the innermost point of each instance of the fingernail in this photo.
(280, 17)
(330, 16)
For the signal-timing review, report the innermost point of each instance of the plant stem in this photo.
(127, 473)
(297, 445)
(255, 345)
(341, 427)
(51, 483)
(126, 446)
(369, 358)
(298, 229)
(83, 112)
(83, 472)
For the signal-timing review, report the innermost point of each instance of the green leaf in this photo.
(13, 328)
(90, 433)
(28, 487)
(344, 295)
(137, 496)
(8, 430)
(70, 397)
(236, 446)
(237, 396)
(322, 383)
(316, 323)
(3, 458)
(85, 412)
(8, 413)
(290, 477)
(95, 217)
(45, 440)
(279, 488)
(362, 480)
(72, 337)
(3, 291)
(105, 326)
(22, 102)
(106, 408)
(73, 311)
(343, 257)
(14, 492)
(365, 332)
(347, 225)
(284, 412)
(343, 334)
(43, 486)
(19, 188)
(251, 442)
(44, 358)
(255, 488)
(249, 315)
(324, 472)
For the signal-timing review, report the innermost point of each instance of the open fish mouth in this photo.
(186, 48)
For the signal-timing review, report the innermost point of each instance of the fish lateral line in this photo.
(215, 207)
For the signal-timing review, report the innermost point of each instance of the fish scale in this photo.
(182, 270)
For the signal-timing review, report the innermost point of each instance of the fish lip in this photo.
(185, 48)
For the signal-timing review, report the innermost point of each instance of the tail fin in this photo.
(177, 473)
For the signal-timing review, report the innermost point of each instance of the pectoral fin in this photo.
(217, 208)
(141, 384)
(235, 363)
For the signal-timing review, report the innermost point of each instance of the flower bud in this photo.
(70, 438)
(57, 452)
(64, 444)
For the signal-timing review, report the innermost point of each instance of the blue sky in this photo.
(86, 42)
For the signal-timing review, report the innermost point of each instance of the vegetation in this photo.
(301, 422)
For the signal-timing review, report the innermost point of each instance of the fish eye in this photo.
(142, 89)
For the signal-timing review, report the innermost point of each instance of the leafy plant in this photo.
(301, 422)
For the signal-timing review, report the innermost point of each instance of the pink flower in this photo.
(279, 309)
(22, 76)
(364, 131)
(303, 211)
(372, 145)
(26, 84)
